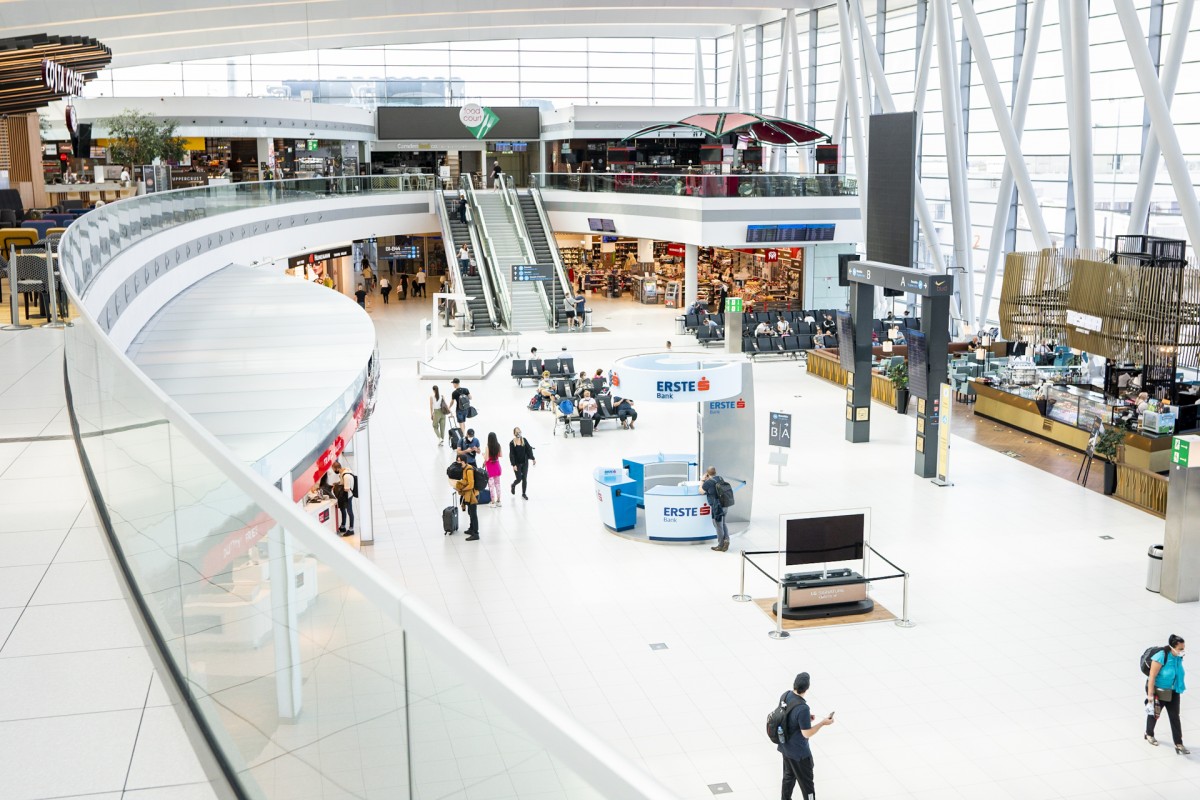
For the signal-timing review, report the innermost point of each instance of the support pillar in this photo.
(955, 156)
(699, 94)
(691, 275)
(850, 79)
(1181, 544)
(1078, 17)
(266, 155)
(858, 392)
(281, 571)
(781, 97)
(364, 521)
(935, 324)
(645, 251)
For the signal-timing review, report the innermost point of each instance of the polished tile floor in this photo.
(1018, 681)
(81, 711)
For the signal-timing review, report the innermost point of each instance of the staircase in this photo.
(539, 238)
(527, 311)
(472, 284)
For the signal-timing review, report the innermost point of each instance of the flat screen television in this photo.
(918, 363)
(845, 334)
(820, 540)
(595, 224)
(609, 225)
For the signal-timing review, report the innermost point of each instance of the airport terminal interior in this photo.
(916, 278)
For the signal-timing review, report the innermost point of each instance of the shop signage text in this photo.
(666, 389)
(670, 513)
(717, 406)
(296, 262)
(477, 119)
(60, 79)
(676, 250)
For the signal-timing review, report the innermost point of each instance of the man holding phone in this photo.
(801, 726)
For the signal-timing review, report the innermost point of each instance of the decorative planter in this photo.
(901, 400)
(1110, 477)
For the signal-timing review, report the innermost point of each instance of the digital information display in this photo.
(770, 234)
(602, 225)
(533, 272)
(819, 540)
(918, 363)
(845, 334)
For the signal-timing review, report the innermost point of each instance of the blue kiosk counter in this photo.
(666, 486)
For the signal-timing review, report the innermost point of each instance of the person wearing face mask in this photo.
(1163, 690)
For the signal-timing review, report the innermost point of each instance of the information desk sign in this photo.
(533, 272)
(780, 430)
(733, 305)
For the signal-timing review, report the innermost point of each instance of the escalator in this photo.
(529, 308)
(455, 233)
(545, 248)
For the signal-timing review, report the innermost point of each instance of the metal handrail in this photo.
(451, 260)
(564, 281)
(490, 265)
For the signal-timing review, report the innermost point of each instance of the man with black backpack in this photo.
(790, 726)
(719, 495)
(345, 489)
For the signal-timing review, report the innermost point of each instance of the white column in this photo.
(1160, 119)
(1009, 137)
(1080, 98)
(699, 92)
(785, 42)
(856, 120)
(1140, 211)
(265, 155)
(645, 250)
(364, 521)
(735, 63)
(804, 157)
(839, 110)
(691, 274)
(955, 157)
(744, 102)
(281, 571)
(1020, 105)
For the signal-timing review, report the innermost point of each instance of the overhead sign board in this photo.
(779, 431)
(477, 119)
(61, 80)
(903, 279)
(542, 273)
(770, 234)
(322, 255)
(1085, 322)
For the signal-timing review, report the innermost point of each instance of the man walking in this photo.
(461, 398)
(419, 291)
(709, 487)
(343, 491)
(799, 728)
(469, 498)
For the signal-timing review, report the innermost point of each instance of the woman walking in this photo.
(1163, 690)
(403, 285)
(492, 465)
(385, 288)
(520, 456)
(438, 410)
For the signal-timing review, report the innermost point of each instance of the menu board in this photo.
(918, 362)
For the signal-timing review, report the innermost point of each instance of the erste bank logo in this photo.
(717, 406)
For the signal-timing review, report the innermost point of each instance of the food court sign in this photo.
(477, 119)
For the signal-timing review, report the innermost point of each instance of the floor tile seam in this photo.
(71, 714)
(57, 350)
(32, 594)
(138, 734)
(73, 652)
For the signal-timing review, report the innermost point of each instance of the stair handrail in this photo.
(489, 264)
(509, 191)
(551, 242)
(452, 260)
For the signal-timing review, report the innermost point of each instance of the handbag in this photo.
(1164, 695)
(471, 411)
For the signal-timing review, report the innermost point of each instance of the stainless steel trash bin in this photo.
(1154, 570)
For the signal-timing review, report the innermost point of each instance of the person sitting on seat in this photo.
(764, 329)
(582, 383)
(625, 411)
(828, 326)
(588, 407)
(782, 326)
(546, 390)
(819, 341)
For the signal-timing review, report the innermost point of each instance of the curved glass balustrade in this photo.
(311, 674)
(700, 185)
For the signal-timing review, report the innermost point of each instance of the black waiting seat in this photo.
(804, 341)
(912, 322)
(767, 344)
(748, 344)
(520, 370)
(791, 344)
(562, 389)
(691, 322)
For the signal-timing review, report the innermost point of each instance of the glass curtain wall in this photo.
(660, 71)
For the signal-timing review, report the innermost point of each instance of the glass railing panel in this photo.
(463, 746)
(701, 185)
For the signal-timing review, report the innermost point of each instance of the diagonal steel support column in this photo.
(698, 91)
(955, 157)
(1160, 117)
(1078, 17)
(854, 108)
(735, 64)
(1004, 198)
(1139, 212)
(781, 96)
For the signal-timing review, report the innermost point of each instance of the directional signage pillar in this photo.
(858, 388)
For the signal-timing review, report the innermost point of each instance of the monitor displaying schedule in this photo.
(772, 234)
(918, 363)
(605, 225)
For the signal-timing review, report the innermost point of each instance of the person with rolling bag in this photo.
(469, 497)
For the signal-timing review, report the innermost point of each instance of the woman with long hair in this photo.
(437, 415)
(492, 465)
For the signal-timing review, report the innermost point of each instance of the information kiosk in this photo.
(668, 485)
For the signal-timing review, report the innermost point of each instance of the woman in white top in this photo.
(783, 327)
(763, 329)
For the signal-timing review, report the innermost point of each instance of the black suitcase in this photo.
(450, 517)
(586, 426)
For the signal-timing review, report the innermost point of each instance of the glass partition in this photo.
(311, 674)
(700, 185)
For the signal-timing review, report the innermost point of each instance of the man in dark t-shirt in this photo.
(461, 399)
(797, 755)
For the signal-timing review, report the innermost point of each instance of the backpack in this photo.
(354, 492)
(535, 404)
(481, 477)
(455, 471)
(1149, 654)
(777, 730)
(724, 491)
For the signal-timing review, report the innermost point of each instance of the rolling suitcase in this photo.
(586, 426)
(450, 516)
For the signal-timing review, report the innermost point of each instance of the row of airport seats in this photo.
(789, 346)
(532, 369)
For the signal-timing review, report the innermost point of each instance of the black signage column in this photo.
(935, 326)
(858, 390)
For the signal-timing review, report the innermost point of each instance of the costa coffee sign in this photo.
(61, 80)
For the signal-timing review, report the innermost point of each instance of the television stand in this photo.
(819, 595)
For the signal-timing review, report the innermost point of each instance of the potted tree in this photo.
(1108, 444)
(135, 138)
(898, 374)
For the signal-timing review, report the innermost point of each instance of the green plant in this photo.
(134, 137)
(898, 374)
(1108, 441)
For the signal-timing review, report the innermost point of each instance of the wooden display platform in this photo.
(879, 614)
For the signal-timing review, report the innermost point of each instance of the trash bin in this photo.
(1154, 570)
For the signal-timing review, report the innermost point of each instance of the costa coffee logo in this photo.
(471, 115)
(60, 79)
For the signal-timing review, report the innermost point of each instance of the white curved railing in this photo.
(290, 648)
